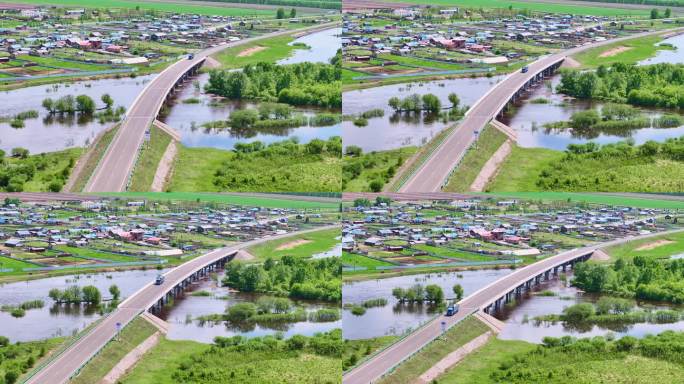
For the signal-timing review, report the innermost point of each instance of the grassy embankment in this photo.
(460, 334)
(521, 168)
(304, 245)
(660, 247)
(475, 158)
(374, 166)
(355, 351)
(195, 169)
(597, 198)
(150, 154)
(130, 337)
(227, 198)
(628, 51)
(92, 158)
(20, 357)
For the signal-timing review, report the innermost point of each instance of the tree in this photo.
(85, 104)
(458, 291)
(293, 13)
(353, 150)
(668, 12)
(376, 185)
(49, 104)
(578, 312)
(434, 293)
(91, 295)
(431, 103)
(20, 152)
(394, 102)
(654, 13)
(243, 118)
(315, 146)
(11, 377)
(280, 14)
(362, 202)
(241, 312)
(454, 100)
(115, 292)
(109, 102)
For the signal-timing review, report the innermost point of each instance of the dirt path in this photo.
(250, 51)
(599, 255)
(453, 358)
(569, 62)
(653, 245)
(614, 51)
(130, 359)
(292, 244)
(491, 167)
(164, 167)
(211, 63)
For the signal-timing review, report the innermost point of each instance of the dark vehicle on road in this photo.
(452, 310)
(159, 280)
(191, 56)
(525, 69)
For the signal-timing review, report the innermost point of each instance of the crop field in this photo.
(226, 198)
(534, 6)
(354, 260)
(186, 7)
(596, 198)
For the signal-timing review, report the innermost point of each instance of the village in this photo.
(38, 42)
(414, 41)
(95, 234)
(475, 232)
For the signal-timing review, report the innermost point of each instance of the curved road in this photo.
(113, 170)
(435, 172)
(374, 368)
(59, 370)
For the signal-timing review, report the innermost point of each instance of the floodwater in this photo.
(528, 120)
(180, 316)
(46, 133)
(188, 118)
(61, 320)
(395, 318)
(400, 130)
(668, 56)
(521, 326)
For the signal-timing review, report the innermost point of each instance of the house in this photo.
(14, 243)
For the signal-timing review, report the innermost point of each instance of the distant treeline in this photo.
(325, 4)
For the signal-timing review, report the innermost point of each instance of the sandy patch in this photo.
(569, 62)
(164, 167)
(655, 244)
(599, 255)
(614, 51)
(250, 51)
(292, 244)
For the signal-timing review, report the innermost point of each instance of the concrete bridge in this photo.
(434, 174)
(151, 298)
(114, 169)
(487, 299)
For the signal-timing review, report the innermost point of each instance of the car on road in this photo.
(525, 69)
(191, 56)
(159, 280)
(452, 310)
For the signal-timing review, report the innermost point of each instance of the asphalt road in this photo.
(111, 174)
(435, 172)
(374, 368)
(63, 367)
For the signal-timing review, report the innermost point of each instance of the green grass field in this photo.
(375, 167)
(48, 167)
(475, 158)
(521, 168)
(86, 252)
(16, 265)
(452, 253)
(636, 50)
(158, 366)
(268, 50)
(457, 336)
(131, 336)
(303, 246)
(195, 170)
(660, 247)
(226, 198)
(362, 348)
(595, 198)
(171, 7)
(355, 260)
(594, 10)
(148, 160)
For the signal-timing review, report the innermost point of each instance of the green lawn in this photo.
(86, 252)
(475, 158)
(556, 238)
(55, 62)
(131, 336)
(269, 50)
(303, 246)
(195, 169)
(596, 198)
(148, 160)
(171, 7)
(660, 247)
(354, 260)
(374, 166)
(453, 253)
(639, 49)
(457, 336)
(16, 265)
(521, 168)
